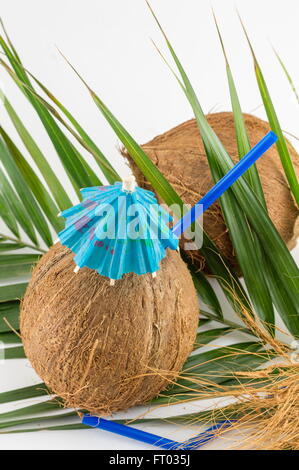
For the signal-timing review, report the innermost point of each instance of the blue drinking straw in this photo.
(153, 439)
(223, 184)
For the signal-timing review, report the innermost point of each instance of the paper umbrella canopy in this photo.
(118, 229)
(121, 228)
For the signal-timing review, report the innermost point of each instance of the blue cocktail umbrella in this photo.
(106, 235)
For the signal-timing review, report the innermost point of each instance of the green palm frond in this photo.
(287, 74)
(56, 188)
(281, 144)
(240, 201)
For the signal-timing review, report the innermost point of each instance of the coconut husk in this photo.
(96, 346)
(180, 156)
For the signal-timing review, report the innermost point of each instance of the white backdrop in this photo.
(109, 43)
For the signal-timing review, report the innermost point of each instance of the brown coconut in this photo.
(180, 156)
(104, 348)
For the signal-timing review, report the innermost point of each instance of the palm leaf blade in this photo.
(33, 210)
(9, 311)
(290, 80)
(58, 191)
(16, 352)
(10, 246)
(275, 125)
(100, 158)
(9, 338)
(243, 240)
(13, 202)
(283, 262)
(39, 191)
(243, 143)
(33, 391)
(77, 169)
(12, 291)
(6, 215)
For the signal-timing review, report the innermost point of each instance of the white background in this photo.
(109, 43)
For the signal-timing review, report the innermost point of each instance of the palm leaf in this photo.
(205, 371)
(100, 158)
(13, 203)
(281, 144)
(290, 80)
(38, 419)
(226, 321)
(10, 246)
(23, 415)
(12, 291)
(77, 169)
(81, 136)
(204, 289)
(56, 188)
(205, 337)
(9, 338)
(62, 427)
(33, 210)
(278, 296)
(243, 143)
(10, 312)
(55, 404)
(33, 391)
(5, 213)
(13, 353)
(14, 265)
(244, 240)
(271, 242)
(33, 182)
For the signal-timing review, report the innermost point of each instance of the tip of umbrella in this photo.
(129, 184)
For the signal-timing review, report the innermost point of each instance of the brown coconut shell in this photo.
(104, 348)
(180, 156)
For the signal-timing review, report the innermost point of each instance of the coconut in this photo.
(180, 156)
(104, 348)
